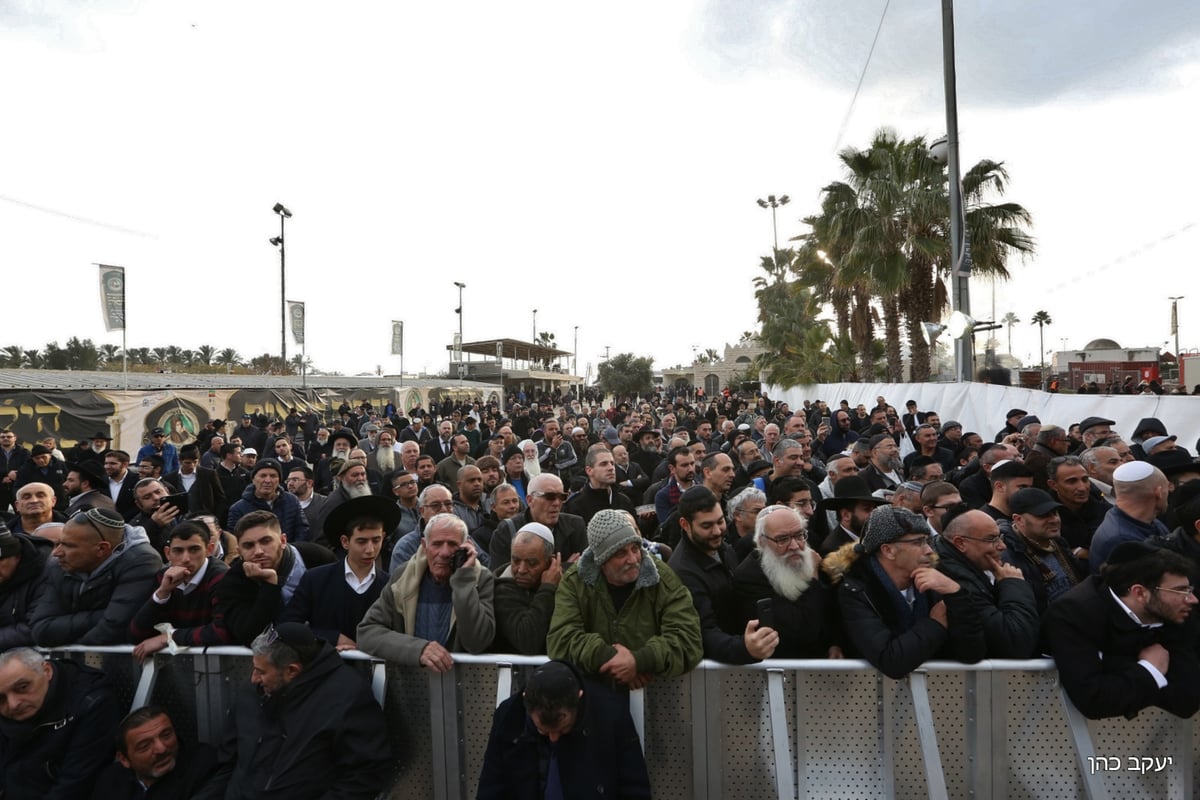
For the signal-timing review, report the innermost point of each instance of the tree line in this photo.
(84, 354)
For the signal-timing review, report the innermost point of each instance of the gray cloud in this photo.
(1016, 52)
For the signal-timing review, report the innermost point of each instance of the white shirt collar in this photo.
(352, 580)
(195, 580)
(1132, 615)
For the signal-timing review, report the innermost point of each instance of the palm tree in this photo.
(205, 354)
(13, 356)
(1010, 319)
(885, 229)
(796, 341)
(34, 360)
(1042, 319)
(229, 359)
(108, 353)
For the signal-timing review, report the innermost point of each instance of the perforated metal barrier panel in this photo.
(1001, 731)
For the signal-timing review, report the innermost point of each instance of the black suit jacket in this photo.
(206, 496)
(1096, 644)
(125, 504)
(434, 448)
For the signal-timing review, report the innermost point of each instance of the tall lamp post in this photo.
(947, 153)
(281, 242)
(1175, 332)
(459, 310)
(534, 337)
(773, 203)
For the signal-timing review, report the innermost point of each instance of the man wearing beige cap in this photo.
(622, 614)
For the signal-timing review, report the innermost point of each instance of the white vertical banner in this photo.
(397, 338)
(296, 314)
(112, 297)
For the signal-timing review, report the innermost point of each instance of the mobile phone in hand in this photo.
(766, 613)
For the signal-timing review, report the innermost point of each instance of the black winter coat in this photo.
(599, 758)
(1008, 608)
(711, 584)
(1096, 645)
(21, 593)
(873, 632)
(322, 736)
(806, 625)
(58, 754)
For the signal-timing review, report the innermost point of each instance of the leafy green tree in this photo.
(55, 357)
(205, 354)
(796, 341)
(626, 374)
(82, 354)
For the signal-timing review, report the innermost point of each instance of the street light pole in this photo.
(773, 203)
(960, 267)
(281, 243)
(459, 310)
(534, 339)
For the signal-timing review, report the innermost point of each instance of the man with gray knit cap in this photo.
(897, 610)
(621, 614)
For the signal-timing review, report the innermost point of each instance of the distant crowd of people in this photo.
(625, 540)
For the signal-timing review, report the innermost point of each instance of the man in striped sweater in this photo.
(184, 597)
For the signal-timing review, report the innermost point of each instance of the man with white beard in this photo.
(886, 468)
(783, 570)
(383, 458)
(351, 483)
(341, 443)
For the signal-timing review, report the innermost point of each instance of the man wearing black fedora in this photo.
(332, 599)
(853, 503)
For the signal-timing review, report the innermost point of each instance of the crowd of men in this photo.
(628, 541)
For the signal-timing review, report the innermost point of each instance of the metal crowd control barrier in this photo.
(777, 729)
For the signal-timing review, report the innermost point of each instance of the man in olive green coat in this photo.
(622, 614)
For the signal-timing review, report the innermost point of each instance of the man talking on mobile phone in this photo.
(442, 600)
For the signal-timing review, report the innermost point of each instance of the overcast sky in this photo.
(597, 162)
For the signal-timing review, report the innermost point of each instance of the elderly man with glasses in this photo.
(898, 611)
(545, 496)
(433, 500)
(780, 585)
(970, 550)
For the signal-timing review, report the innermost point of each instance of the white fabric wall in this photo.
(981, 407)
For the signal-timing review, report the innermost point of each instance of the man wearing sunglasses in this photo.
(545, 496)
(969, 550)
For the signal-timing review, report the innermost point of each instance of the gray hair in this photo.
(538, 484)
(447, 521)
(594, 452)
(26, 655)
(760, 522)
(425, 493)
(502, 488)
(743, 497)
(278, 652)
(783, 446)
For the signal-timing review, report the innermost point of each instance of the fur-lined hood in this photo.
(840, 562)
(589, 570)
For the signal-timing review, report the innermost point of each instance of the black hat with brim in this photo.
(372, 506)
(847, 492)
(93, 471)
(344, 433)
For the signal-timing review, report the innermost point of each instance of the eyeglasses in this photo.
(991, 541)
(924, 541)
(447, 504)
(801, 503)
(1184, 591)
(552, 496)
(785, 540)
(751, 511)
(946, 507)
(403, 484)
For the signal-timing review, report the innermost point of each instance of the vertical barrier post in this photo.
(935, 780)
(1085, 749)
(637, 710)
(504, 674)
(1179, 779)
(883, 695)
(704, 690)
(785, 789)
(145, 684)
(801, 750)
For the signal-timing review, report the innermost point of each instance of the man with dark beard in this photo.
(885, 470)
(783, 569)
